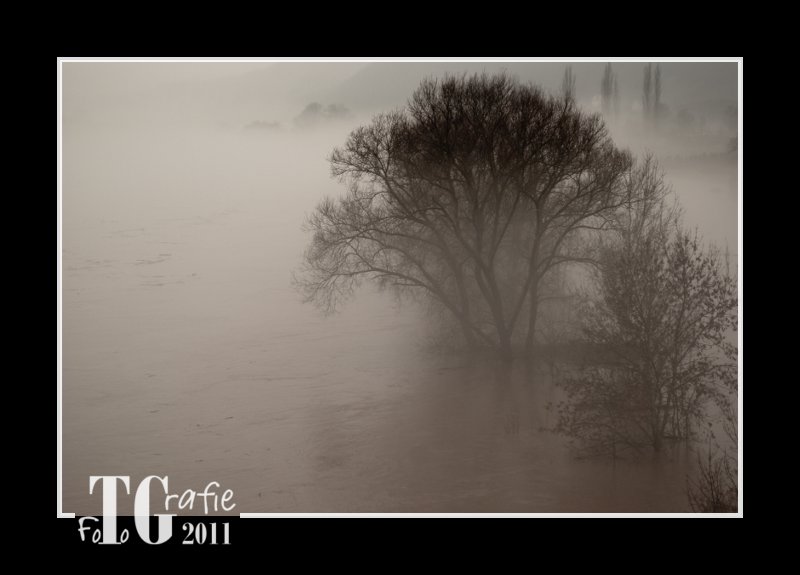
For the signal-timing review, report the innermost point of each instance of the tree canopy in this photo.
(471, 194)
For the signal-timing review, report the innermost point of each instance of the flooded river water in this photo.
(186, 352)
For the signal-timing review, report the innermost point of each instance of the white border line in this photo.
(395, 60)
(739, 166)
(739, 61)
(59, 402)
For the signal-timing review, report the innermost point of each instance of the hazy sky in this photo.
(229, 93)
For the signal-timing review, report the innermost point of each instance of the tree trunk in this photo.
(491, 294)
(530, 339)
(657, 442)
(465, 318)
(469, 335)
(505, 346)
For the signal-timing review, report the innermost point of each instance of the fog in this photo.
(188, 352)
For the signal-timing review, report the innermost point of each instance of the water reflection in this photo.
(471, 437)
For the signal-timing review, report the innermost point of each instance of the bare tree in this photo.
(607, 89)
(568, 84)
(472, 194)
(657, 94)
(647, 92)
(664, 315)
(715, 489)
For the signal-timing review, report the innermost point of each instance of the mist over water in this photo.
(188, 353)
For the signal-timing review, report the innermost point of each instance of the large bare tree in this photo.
(471, 194)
